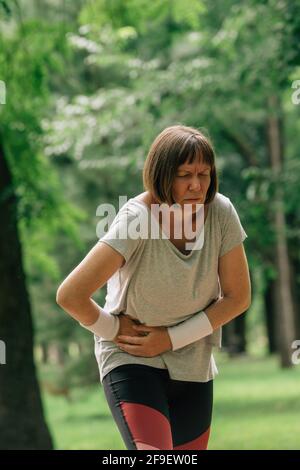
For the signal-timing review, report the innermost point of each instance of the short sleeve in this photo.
(232, 231)
(121, 234)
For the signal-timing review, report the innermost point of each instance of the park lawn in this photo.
(256, 406)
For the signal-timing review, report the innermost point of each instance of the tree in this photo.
(22, 423)
(28, 192)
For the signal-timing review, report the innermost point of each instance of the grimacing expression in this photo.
(191, 181)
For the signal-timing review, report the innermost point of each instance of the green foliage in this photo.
(29, 57)
(32, 52)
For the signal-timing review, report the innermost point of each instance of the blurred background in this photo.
(85, 87)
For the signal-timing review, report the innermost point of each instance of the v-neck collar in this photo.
(169, 243)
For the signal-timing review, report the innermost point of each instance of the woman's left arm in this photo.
(235, 299)
(235, 285)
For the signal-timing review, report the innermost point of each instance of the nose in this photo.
(195, 184)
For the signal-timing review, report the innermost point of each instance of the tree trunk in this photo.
(295, 272)
(285, 317)
(44, 352)
(240, 332)
(22, 423)
(294, 250)
(234, 336)
(270, 309)
(56, 354)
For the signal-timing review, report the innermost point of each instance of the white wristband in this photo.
(193, 329)
(106, 326)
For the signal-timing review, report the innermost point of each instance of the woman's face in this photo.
(191, 181)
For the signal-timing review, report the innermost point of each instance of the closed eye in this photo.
(201, 174)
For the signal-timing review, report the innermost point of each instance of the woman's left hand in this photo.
(156, 342)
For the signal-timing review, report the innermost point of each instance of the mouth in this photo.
(194, 199)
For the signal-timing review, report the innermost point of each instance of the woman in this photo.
(167, 298)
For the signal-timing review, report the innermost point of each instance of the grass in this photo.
(256, 406)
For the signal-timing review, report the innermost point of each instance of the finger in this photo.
(140, 330)
(143, 328)
(130, 339)
(132, 349)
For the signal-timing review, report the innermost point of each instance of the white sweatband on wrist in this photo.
(106, 326)
(193, 329)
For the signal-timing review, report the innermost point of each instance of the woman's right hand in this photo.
(126, 326)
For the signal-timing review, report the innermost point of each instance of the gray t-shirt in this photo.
(160, 286)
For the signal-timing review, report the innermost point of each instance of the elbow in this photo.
(245, 305)
(59, 297)
(63, 297)
(240, 304)
(244, 299)
(249, 298)
(70, 297)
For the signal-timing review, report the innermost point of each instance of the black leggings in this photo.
(152, 411)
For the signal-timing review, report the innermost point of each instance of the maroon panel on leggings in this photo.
(148, 425)
(196, 444)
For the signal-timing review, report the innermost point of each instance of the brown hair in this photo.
(174, 146)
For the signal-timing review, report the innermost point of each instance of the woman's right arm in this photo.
(74, 294)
